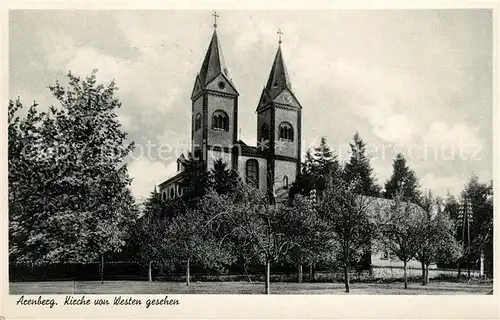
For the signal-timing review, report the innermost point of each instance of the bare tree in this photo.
(400, 230)
(437, 241)
(248, 215)
(309, 242)
(192, 237)
(346, 221)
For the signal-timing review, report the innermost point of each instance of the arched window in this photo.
(285, 182)
(253, 172)
(220, 120)
(164, 196)
(197, 122)
(172, 193)
(264, 131)
(286, 131)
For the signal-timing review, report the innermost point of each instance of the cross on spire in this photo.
(279, 33)
(215, 15)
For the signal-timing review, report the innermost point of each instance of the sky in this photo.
(412, 81)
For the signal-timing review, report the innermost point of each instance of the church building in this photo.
(274, 162)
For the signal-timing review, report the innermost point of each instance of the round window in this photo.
(221, 85)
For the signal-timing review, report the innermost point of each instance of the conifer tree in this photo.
(325, 161)
(325, 165)
(359, 168)
(403, 182)
(319, 166)
(197, 180)
(307, 165)
(305, 181)
(223, 179)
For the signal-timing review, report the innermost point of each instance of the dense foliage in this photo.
(70, 201)
(69, 196)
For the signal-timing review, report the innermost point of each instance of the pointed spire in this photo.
(214, 63)
(278, 78)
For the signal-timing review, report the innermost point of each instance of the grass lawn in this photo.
(160, 287)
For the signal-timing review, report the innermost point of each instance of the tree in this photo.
(193, 236)
(403, 182)
(358, 168)
(400, 230)
(310, 242)
(318, 167)
(23, 187)
(197, 180)
(248, 216)
(69, 189)
(437, 242)
(222, 179)
(307, 165)
(452, 209)
(325, 165)
(346, 219)
(476, 196)
(306, 180)
(150, 233)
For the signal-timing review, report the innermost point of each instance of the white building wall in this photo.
(282, 169)
(242, 166)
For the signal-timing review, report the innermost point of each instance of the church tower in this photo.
(214, 108)
(279, 126)
(272, 165)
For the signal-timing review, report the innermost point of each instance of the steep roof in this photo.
(214, 63)
(250, 151)
(278, 78)
(380, 206)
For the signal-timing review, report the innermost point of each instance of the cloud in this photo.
(453, 135)
(126, 121)
(441, 185)
(174, 143)
(87, 58)
(396, 128)
(66, 56)
(140, 79)
(388, 122)
(146, 174)
(407, 76)
(457, 142)
(259, 34)
(383, 96)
